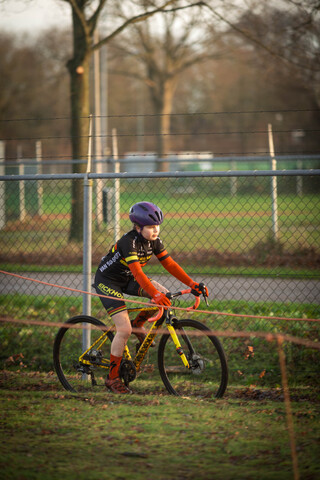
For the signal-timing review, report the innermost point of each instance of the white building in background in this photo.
(139, 162)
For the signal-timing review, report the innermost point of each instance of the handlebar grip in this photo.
(157, 315)
(182, 292)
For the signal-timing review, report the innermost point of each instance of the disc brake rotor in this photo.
(197, 364)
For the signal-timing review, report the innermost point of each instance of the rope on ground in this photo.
(218, 333)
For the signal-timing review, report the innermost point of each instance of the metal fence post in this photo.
(87, 244)
(87, 247)
(97, 132)
(116, 186)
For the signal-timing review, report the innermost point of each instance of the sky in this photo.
(33, 16)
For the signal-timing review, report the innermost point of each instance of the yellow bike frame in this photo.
(144, 347)
(96, 345)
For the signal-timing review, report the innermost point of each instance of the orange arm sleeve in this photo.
(172, 267)
(142, 279)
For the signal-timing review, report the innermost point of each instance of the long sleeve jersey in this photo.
(132, 252)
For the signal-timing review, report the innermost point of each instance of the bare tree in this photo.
(85, 17)
(289, 31)
(33, 82)
(164, 50)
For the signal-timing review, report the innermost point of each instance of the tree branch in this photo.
(80, 15)
(258, 42)
(95, 17)
(127, 73)
(140, 18)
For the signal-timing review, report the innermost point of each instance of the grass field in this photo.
(48, 434)
(198, 225)
(35, 342)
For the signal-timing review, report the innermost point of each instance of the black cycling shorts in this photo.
(115, 290)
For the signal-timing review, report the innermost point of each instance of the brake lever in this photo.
(205, 299)
(203, 293)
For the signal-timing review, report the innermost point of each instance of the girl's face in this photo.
(150, 232)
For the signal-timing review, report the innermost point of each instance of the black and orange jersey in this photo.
(131, 247)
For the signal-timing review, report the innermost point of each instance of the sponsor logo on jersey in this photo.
(110, 262)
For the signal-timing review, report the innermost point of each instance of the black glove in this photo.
(198, 289)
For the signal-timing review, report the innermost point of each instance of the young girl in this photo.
(120, 271)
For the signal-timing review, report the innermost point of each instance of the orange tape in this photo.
(265, 317)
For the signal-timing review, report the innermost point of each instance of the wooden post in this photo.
(39, 182)
(234, 180)
(274, 186)
(22, 193)
(299, 179)
(2, 188)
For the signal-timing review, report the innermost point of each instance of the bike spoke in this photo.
(76, 374)
(207, 375)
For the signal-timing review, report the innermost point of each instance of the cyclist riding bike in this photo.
(120, 272)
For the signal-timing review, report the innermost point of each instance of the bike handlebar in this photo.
(172, 295)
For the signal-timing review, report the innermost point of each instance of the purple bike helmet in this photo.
(145, 213)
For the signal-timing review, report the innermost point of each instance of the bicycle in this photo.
(191, 361)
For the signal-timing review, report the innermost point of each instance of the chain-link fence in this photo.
(257, 250)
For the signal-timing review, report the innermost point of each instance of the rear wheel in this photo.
(75, 375)
(208, 372)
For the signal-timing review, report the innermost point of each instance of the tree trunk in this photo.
(80, 110)
(162, 102)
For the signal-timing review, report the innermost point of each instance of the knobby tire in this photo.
(209, 373)
(68, 347)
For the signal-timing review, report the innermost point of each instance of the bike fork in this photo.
(177, 343)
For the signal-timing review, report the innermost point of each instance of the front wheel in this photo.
(76, 375)
(208, 372)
